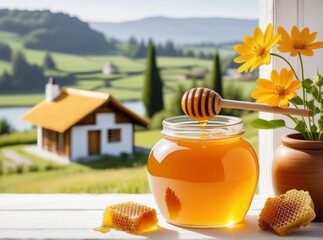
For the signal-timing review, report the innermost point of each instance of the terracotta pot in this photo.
(298, 164)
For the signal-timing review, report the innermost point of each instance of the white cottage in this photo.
(77, 124)
(110, 68)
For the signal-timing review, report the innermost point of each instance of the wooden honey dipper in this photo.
(203, 104)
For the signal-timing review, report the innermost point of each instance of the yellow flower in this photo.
(278, 90)
(298, 42)
(255, 50)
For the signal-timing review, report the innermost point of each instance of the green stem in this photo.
(305, 98)
(307, 129)
(290, 65)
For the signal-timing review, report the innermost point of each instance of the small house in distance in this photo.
(77, 124)
(110, 68)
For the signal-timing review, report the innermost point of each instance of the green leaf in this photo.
(315, 93)
(307, 84)
(297, 100)
(311, 106)
(313, 128)
(265, 124)
(320, 122)
(300, 126)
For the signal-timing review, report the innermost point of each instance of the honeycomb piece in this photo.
(286, 213)
(131, 217)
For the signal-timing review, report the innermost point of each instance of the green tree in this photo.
(215, 82)
(19, 69)
(141, 51)
(153, 85)
(5, 81)
(49, 62)
(132, 47)
(5, 52)
(4, 127)
(25, 74)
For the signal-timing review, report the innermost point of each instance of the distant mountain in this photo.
(181, 31)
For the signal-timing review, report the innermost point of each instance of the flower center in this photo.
(279, 90)
(259, 50)
(299, 44)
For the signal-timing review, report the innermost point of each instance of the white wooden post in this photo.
(286, 13)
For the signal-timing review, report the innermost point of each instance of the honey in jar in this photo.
(203, 175)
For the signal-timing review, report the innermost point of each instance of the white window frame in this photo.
(285, 13)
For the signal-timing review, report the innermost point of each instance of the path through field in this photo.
(15, 157)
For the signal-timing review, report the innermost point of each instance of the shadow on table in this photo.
(162, 233)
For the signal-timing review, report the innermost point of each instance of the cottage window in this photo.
(114, 135)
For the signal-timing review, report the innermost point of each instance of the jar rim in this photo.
(218, 127)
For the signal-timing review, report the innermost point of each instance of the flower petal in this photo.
(246, 65)
(258, 36)
(283, 103)
(305, 33)
(268, 34)
(311, 37)
(306, 52)
(266, 98)
(243, 58)
(284, 80)
(284, 36)
(274, 102)
(296, 84)
(242, 49)
(265, 83)
(274, 76)
(272, 41)
(315, 45)
(285, 48)
(296, 35)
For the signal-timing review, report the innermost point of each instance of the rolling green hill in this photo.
(52, 31)
(87, 71)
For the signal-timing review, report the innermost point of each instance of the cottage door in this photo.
(94, 142)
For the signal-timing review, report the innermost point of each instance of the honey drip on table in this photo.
(102, 229)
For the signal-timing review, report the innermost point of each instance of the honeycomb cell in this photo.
(286, 213)
(131, 217)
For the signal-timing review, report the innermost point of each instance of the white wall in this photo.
(39, 137)
(104, 121)
(285, 13)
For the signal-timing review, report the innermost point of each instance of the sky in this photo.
(127, 10)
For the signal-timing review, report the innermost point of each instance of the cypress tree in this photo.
(19, 69)
(49, 62)
(153, 85)
(215, 82)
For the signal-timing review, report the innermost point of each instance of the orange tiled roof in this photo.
(70, 107)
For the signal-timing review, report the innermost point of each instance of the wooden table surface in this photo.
(73, 216)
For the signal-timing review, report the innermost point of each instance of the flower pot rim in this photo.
(296, 140)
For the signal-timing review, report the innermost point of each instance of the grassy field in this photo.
(76, 179)
(87, 71)
(122, 174)
(16, 138)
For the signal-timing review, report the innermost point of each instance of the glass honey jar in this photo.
(203, 175)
